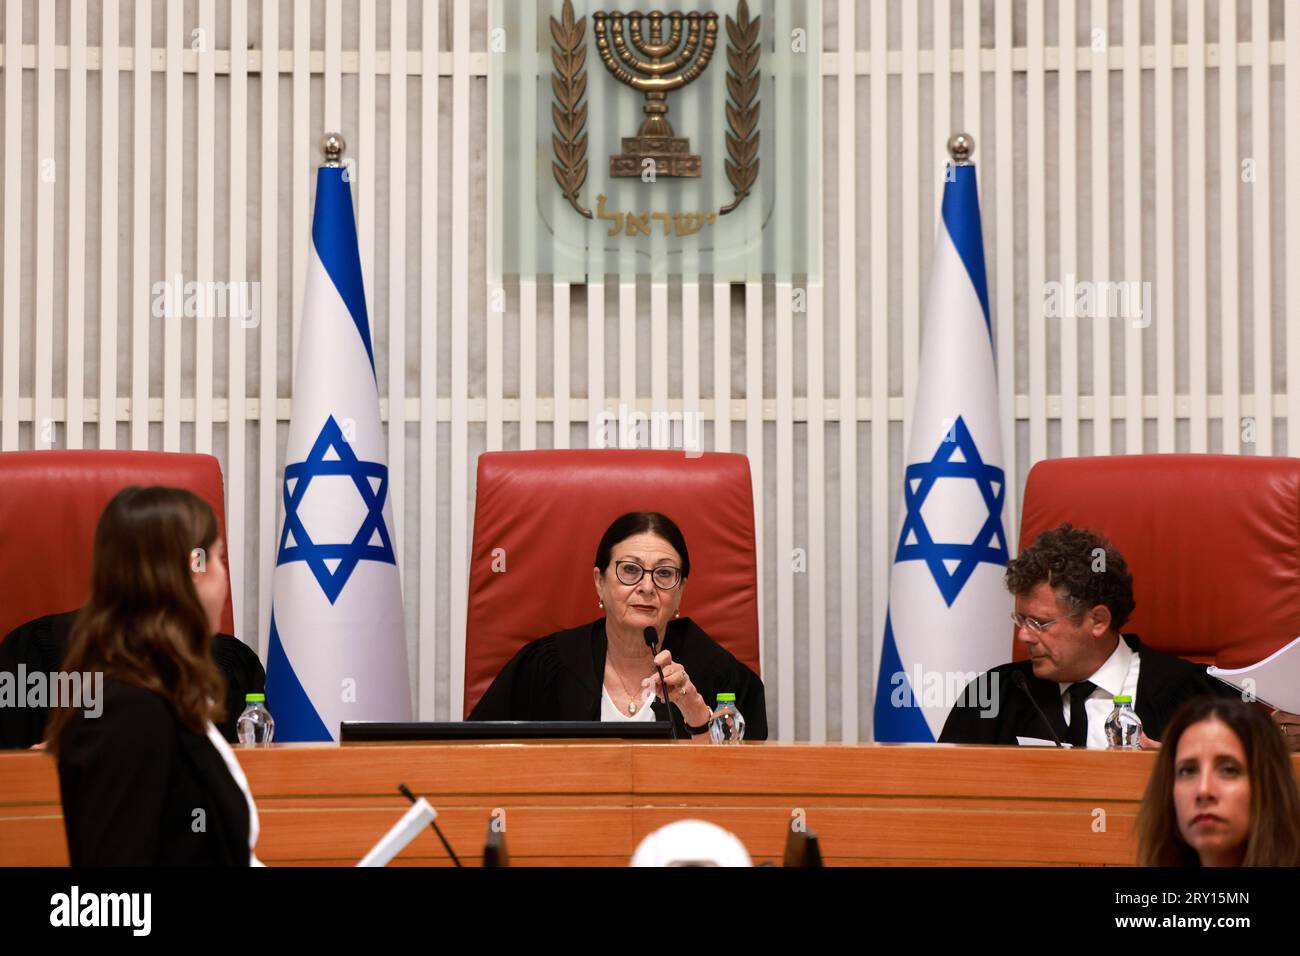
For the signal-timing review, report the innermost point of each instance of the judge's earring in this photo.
(677, 614)
(600, 603)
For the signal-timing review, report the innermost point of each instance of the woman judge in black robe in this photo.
(605, 670)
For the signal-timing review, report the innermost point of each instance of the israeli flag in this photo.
(338, 647)
(948, 607)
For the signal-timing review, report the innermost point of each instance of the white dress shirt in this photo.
(1115, 678)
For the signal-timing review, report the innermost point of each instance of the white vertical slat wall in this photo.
(842, 590)
(75, 404)
(1102, 197)
(140, 229)
(1134, 141)
(204, 204)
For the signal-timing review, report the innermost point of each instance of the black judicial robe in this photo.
(1164, 682)
(42, 644)
(131, 781)
(561, 677)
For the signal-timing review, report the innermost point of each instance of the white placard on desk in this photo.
(419, 816)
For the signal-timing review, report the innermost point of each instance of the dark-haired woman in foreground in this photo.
(150, 781)
(605, 671)
(1223, 791)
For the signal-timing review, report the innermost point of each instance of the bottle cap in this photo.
(730, 697)
(1125, 699)
(254, 698)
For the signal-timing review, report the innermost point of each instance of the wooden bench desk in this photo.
(590, 803)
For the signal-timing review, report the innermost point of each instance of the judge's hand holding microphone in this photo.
(695, 710)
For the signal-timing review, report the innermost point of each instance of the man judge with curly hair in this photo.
(1074, 593)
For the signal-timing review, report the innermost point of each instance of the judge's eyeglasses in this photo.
(665, 577)
(1035, 625)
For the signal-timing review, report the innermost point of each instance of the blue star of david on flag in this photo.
(371, 542)
(957, 457)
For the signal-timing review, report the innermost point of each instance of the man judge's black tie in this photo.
(1079, 692)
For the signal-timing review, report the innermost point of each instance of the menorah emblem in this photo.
(660, 66)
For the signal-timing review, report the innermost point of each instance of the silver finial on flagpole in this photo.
(332, 145)
(961, 146)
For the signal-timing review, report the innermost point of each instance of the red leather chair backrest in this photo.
(547, 511)
(1213, 542)
(50, 503)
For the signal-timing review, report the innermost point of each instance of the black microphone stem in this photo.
(406, 792)
(1019, 681)
(652, 641)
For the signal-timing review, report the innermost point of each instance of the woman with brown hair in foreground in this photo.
(1223, 791)
(148, 780)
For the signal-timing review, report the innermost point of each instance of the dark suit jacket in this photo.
(560, 677)
(43, 643)
(141, 789)
(1164, 682)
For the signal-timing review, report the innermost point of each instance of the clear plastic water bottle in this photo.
(256, 725)
(1123, 726)
(727, 726)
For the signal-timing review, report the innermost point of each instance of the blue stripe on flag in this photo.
(334, 234)
(295, 716)
(897, 724)
(961, 216)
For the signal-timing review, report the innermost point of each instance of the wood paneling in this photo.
(591, 803)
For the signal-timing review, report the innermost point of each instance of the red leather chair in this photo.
(546, 510)
(50, 503)
(1213, 542)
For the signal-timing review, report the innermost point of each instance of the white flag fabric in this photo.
(337, 645)
(948, 606)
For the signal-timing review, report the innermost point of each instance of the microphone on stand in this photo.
(652, 641)
(1019, 680)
